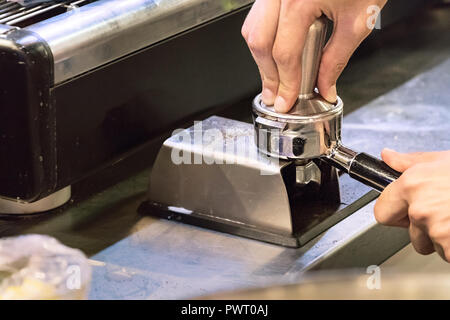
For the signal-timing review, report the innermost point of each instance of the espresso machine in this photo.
(277, 180)
(85, 85)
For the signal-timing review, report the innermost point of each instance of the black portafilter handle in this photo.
(372, 171)
(363, 167)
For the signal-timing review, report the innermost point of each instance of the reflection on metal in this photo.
(307, 173)
(301, 137)
(231, 191)
(216, 174)
(14, 14)
(352, 284)
(105, 30)
(50, 202)
(4, 28)
(312, 128)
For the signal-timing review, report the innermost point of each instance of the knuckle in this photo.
(410, 179)
(289, 3)
(418, 214)
(303, 8)
(289, 89)
(330, 68)
(271, 83)
(337, 68)
(259, 46)
(283, 57)
(340, 66)
(245, 31)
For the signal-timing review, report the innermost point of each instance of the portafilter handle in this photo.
(311, 57)
(363, 167)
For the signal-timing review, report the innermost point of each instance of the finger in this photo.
(420, 240)
(293, 25)
(403, 161)
(391, 208)
(267, 95)
(346, 37)
(259, 32)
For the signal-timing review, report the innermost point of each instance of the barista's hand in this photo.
(275, 31)
(419, 199)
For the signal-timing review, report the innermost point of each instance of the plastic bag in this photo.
(40, 267)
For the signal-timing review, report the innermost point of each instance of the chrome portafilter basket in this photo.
(312, 128)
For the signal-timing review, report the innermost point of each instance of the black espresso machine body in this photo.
(80, 90)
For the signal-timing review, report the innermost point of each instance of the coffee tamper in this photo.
(312, 128)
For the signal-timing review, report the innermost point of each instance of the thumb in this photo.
(403, 161)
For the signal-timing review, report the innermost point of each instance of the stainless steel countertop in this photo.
(137, 257)
(164, 259)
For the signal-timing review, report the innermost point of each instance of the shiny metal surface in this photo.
(276, 132)
(305, 110)
(312, 122)
(307, 173)
(9, 8)
(318, 137)
(23, 13)
(4, 28)
(352, 284)
(342, 157)
(105, 30)
(312, 128)
(225, 179)
(50, 202)
(311, 57)
(14, 14)
(212, 175)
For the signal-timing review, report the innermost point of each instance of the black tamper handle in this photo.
(372, 171)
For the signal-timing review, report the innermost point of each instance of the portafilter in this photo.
(312, 128)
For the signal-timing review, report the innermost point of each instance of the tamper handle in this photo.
(312, 55)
